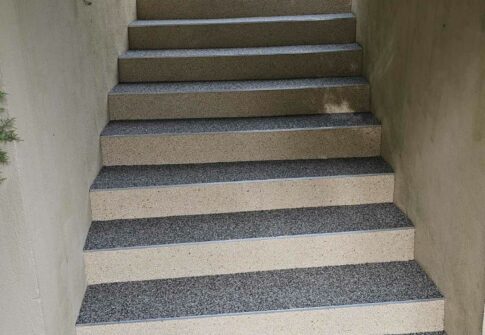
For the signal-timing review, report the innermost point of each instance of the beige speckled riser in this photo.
(276, 102)
(237, 34)
(240, 196)
(201, 9)
(226, 257)
(376, 319)
(338, 63)
(241, 146)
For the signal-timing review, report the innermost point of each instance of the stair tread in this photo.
(257, 292)
(246, 225)
(114, 177)
(196, 126)
(200, 9)
(245, 20)
(238, 52)
(232, 86)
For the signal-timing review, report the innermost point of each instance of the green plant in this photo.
(7, 132)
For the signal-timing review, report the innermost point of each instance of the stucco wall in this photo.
(426, 64)
(58, 60)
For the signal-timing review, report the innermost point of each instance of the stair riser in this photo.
(240, 196)
(344, 99)
(228, 257)
(201, 9)
(239, 35)
(394, 318)
(207, 68)
(241, 146)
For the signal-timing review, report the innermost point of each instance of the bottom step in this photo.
(383, 298)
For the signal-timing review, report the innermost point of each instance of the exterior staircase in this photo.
(242, 190)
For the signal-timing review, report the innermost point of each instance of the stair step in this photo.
(201, 9)
(105, 235)
(242, 32)
(184, 246)
(240, 139)
(355, 299)
(229, 125)
(238, 98)
(127, 192)
(305, 61)
(166, 175)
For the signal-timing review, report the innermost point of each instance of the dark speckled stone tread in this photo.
(229, 52)
(195, 126)
(291, 18)
(114, 177)
(196, 9)
(256, 292)
(242, 32)
(264, 63)
(433, 333)
(232, 226)
(236, 86)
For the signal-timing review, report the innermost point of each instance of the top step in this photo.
(213, 9)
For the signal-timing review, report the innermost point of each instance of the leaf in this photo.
(7, 133)
(3, 157)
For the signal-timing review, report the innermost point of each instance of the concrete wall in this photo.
(58, 60)
(426, 64)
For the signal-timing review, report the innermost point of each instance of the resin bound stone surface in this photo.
(233, 226)
(160, 175)
(192, 126)
(259, 291)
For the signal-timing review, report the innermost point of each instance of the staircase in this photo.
(242, 190)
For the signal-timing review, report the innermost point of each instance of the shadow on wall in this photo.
(424, 60)
(58, 60)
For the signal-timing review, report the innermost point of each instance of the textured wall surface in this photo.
(426, 64)
(58, 59)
